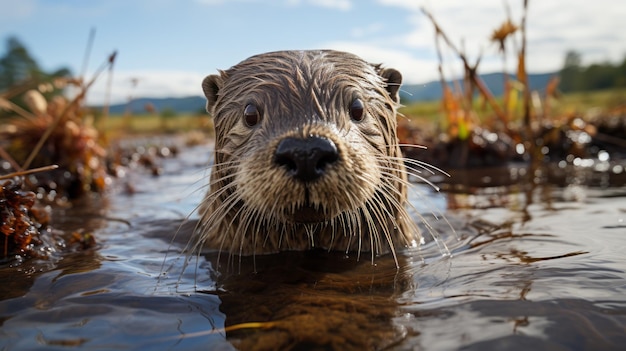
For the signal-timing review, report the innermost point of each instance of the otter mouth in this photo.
(308, 214)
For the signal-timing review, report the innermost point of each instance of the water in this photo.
(541, 267)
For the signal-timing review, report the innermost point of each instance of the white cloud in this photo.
(414, 70)
(160, 84)
(220, 2)
(365, 31)
(210, 2)
(594, 28)
(343, 5)
(145, 84)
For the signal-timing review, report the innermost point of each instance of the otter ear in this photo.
(211, 86)
(393, 78)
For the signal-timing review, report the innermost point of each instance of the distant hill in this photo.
(494, 81)
(191, 104)
(408, 94)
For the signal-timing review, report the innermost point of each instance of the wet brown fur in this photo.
(251, 200)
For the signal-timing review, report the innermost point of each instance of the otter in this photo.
(306, 156)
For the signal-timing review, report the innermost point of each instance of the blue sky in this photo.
(168, 46)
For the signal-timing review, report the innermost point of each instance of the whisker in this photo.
(409, 170)
(432, 232)
(379, 212)
(416, 163)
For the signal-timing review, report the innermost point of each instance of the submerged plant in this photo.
(54, 135)
(58, 132)
(21, 221)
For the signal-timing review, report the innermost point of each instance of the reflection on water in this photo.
(531, 267)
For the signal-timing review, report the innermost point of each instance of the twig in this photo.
(17, 89)
(611, 139)
(505, 76)
(522, 72)
(478, 82)
(92, 35)
(17, 109)
(67, 108)
(107, 98)
(30, 171)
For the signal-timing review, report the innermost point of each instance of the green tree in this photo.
(620, 80)
(571, 73)
(18, 67)
(600, 76)
(575, 77)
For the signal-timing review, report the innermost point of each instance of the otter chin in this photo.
(308, 214)
(306, 156)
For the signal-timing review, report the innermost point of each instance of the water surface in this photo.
(529, 267)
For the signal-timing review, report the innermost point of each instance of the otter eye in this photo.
(356, 110)
(251, 115)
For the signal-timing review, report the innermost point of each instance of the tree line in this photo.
(576, 77)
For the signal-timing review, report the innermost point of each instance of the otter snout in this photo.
(306, 159)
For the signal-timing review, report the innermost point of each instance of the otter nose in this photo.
(306, 159)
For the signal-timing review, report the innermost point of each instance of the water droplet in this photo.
(603, 156)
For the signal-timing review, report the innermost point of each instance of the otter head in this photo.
(306, 155)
